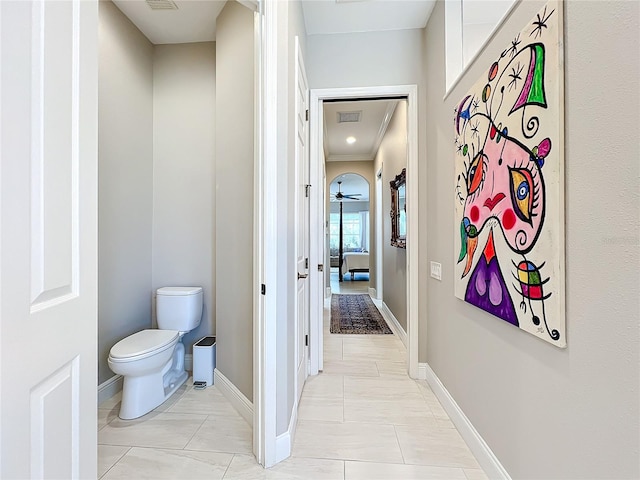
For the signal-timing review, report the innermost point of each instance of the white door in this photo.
(302, 223)
(48, 243)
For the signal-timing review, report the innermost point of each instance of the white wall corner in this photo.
(373, 293)
(241, 403)
(485, 456)
(284, 441)
(109, 388)
(327, 292)
(394, 325)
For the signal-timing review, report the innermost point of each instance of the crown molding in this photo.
(350, 158)
(391, 108)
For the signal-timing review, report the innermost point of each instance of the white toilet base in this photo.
(141, 394)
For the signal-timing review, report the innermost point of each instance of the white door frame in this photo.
(265, 235)
(317, 126)
(379, 234)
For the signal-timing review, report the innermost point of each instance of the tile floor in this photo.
(359, 285)
(362, 418)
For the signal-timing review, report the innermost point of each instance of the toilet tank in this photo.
(179, 308)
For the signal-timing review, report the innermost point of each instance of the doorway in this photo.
(408, 92)
(349, 239)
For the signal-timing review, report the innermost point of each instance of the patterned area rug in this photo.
(356, 314)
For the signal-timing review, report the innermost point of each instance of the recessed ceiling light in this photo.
(351, 140)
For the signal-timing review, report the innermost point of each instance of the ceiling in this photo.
(346, 16)
(195, 20)
(368, 132)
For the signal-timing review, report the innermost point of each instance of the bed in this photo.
(354, 262)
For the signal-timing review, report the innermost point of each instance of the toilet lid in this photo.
(143, 342)
(179, 291)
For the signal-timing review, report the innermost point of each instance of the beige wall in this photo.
(125, 165)
(234, 195)
(392, 157)
(184, 80)
(156, 177)
(364, 59)
(544, 411)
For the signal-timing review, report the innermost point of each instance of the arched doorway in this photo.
(349, 238)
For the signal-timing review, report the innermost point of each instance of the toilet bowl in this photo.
(144, 359)
(152, 361)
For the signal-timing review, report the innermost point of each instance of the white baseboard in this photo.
(188, 362)
(373, 293)
(422, 371)
(284, 441)
(235, 396)
(108, 389)
(327, 292)
(486, 458)
(394, 324)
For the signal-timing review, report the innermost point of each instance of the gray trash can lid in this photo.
(206, 342)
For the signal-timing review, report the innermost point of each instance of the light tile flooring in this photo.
(362, 418)
(359, 285)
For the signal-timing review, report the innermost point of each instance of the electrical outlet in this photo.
(436, 270)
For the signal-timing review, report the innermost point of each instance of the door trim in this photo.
(317, 161)
(379, 234)
(265, 235)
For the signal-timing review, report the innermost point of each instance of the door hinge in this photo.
(306, 190)
(306, 340)
(306, 263)
(320, 267)
(306, 115)
(263, 289)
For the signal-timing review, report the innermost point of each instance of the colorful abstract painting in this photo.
(509, 183)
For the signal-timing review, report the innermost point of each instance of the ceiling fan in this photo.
(339, 195)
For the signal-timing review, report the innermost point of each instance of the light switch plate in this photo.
(436, 270)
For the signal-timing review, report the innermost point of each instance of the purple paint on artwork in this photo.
(524, 94)
(544, 148)
(495, 290)
(487, 290)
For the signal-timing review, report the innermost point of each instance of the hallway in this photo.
(364, 411)
(361, 418)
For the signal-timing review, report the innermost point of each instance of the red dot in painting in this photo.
(493, 71)
(492, 131)
(508, 219)
(475, 214)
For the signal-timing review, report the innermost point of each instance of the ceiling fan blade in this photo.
(350, 197)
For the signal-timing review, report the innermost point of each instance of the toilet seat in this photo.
(143, 344)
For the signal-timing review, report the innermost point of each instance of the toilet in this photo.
(152, 361)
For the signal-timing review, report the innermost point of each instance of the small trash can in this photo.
(204, 360)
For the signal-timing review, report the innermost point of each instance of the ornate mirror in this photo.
(399, 211)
